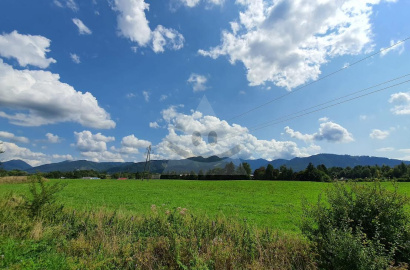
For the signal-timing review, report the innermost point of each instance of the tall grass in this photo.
(16, 179)
(61, 238)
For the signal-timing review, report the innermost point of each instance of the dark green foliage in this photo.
(314, 174)
(269, 173)
(360, 227)
(259, 174)
(247, 168)
(42, 195)
(229, 168)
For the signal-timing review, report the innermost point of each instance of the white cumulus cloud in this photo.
(62, 157)
(94, 147)
(82, 28)
(105, 156)
(286, 42)
(71, 4)
(164, 37)
(133, 24)
(130, 95)
(198, 82)
(385, 149)
(203, 135)
(379, 134)
(51, 138)
(194, 3)
(13, 138)
(328, 131)
(42, 99)
(134, 142)
(131, 145)
(88, 142)
(146, 95)
(75, 58)
(189, 3)
(401, 102)
(298, 135)
(13, 151)
(27, 49)
(399, 48)
(153, 125)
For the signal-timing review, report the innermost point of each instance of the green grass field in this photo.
(274, 204)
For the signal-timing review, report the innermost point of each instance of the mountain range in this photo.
(201, 163)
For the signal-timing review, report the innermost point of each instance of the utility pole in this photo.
(147, 166)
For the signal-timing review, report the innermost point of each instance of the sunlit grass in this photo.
(273, 204)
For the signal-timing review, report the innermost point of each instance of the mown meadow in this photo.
(272, 204)
(264, 203)
(179, 224)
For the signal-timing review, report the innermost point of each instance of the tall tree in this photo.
(229, 168)
(269, 172)
(247, 168)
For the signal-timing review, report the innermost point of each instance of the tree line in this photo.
(243, 171)
(321, 173)
(318, 173)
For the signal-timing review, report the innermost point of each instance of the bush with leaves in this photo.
(43, 196)
(361, 226)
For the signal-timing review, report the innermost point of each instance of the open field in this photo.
(110, 224)
(274, 204)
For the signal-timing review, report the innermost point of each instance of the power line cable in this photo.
(338, 103)
(301, 113)
(318, 80)
(333, 100)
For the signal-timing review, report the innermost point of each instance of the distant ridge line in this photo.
(202, 163)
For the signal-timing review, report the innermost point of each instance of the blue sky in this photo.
(101, 80)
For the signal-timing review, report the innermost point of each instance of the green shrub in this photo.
(42, 196)
(361, 226)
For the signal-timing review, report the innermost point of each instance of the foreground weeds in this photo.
(49, 236)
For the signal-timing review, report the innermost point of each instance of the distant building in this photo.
(91, 178)
(122, 178)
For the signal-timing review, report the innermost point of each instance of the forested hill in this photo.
(199, 163)
(15, 165)
(331, 160)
